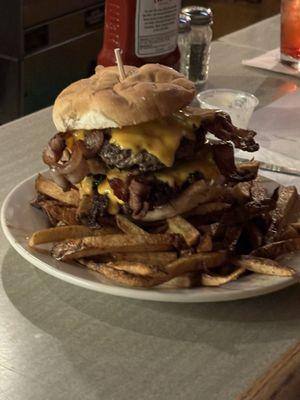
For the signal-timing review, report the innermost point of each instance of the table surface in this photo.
(58, 341)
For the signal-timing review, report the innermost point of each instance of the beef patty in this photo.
(114, 156)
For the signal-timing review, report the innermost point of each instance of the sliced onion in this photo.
(79, 173)
(76, 168)
(54, 149)
(73, 163)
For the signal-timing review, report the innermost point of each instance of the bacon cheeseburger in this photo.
(136, 147)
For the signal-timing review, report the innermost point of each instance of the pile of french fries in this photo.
(240, 231)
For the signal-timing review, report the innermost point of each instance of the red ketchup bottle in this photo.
(145, 31)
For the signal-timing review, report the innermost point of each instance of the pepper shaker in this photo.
(201, 35)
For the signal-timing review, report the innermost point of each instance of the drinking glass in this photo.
(238, 104)
(290, 33)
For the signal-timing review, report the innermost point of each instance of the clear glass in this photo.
(239, 105)
(184, 43)
(290, 33)
(201, 36)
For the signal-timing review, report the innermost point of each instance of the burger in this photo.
(137, 147)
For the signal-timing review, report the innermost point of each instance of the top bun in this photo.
(102, 101)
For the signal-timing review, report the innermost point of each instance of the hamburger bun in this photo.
(102, 101)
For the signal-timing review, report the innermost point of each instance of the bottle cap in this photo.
(199, 15)
(184, 23)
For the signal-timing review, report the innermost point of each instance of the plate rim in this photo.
(186, 295)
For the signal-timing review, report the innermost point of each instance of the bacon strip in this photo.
(220, 125)
(224, 158)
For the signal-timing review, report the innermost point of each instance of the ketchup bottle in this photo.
(145, 30)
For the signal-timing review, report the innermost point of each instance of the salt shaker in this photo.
(201, 35)
(184, 43)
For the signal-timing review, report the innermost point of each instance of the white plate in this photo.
(19, 220)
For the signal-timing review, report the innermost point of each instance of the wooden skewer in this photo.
(120, 64)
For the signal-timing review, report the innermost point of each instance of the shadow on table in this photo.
(60, 308)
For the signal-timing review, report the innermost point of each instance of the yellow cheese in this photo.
(116, 173)
(87, 185)
(160, 138)
(74, 137)
(204, 164)
(79, 134)
(70, 142)
(104, 188)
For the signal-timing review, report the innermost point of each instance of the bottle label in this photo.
(156, 27)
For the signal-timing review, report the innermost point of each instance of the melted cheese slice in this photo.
(104, 188)
(86, 186)
(204, 164)
(160, 138)
(74, 137)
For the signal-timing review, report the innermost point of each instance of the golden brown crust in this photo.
(102, 101)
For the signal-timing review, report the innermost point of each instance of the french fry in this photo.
(83, 211)
(51, 189)
(209, 208)
(296, 226)
(273, 250)
(60, 233)
(288, 233)
(185, 229)
(195, 262)
(218, 280)
(58, 212)
(128, 227)
(215, 230)
(184, 281)
(232, 235)
(263, 266)
(136, 268)
(258, 191)
(287, 196)
(254, 235)
(92, 246)
(120, 277)
(136, 275)
(205, 244)
(251, 166)
(159, 259)
(241, 192)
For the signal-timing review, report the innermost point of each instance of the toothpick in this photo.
(120, 64)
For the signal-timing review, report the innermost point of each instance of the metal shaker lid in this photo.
(199, 15)
(184, 23)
